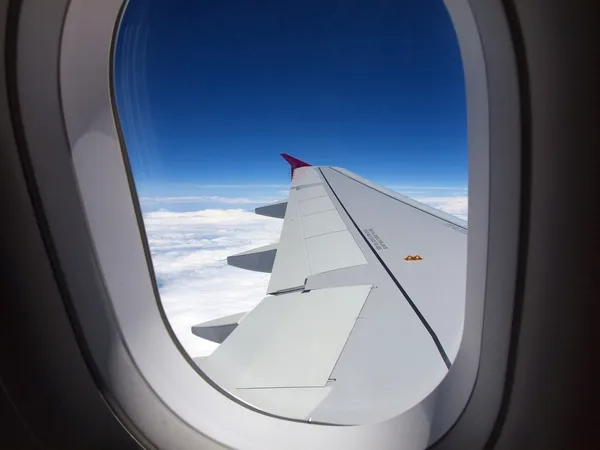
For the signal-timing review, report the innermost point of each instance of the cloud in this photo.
(402, 188)
(242, 186)
(456, 205)
(450, 199)
(209, 199)
(189, 251)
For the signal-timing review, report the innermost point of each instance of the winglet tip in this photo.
(294, 163)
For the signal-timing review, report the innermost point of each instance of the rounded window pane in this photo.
(329, 285)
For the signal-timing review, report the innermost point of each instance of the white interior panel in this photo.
(333, 251)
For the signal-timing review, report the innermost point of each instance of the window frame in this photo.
(147, 380)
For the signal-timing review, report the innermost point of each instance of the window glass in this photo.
(209, 94)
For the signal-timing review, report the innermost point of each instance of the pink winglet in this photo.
(294, 162)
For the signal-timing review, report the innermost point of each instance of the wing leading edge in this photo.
(351, 331)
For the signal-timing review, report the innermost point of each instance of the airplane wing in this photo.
(365, 306)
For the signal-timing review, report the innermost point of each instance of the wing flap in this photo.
(290, 340)
(322, 223)
(333, 251)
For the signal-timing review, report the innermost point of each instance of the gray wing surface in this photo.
(365, 306)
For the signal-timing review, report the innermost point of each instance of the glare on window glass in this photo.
(328, 285)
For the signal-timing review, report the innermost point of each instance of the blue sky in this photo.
(209, 93)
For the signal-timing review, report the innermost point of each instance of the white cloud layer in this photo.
(189, 251)
(209, 199)
(242, 186)
(457, 205)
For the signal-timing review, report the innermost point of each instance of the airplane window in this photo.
(328, 285)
